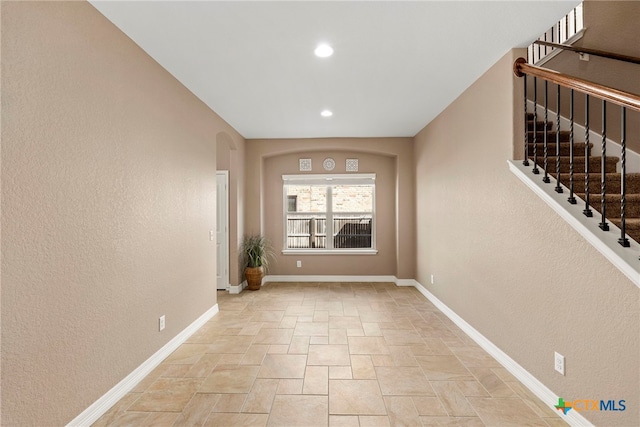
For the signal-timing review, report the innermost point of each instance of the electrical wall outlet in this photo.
(433, 280)
(298, 263)
(212, 235)
(583, 56)
(559, 362)
(161, 322)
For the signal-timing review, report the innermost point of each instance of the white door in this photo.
(222, 229)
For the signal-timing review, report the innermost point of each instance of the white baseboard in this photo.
(236, 289)
(327, 278)
(103, 404)
(407, 282)
(532, 383)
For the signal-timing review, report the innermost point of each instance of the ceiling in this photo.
(396, 64)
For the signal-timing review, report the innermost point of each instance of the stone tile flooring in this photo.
(329, 354)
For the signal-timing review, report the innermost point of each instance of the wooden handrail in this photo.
(595, 52)
(615, 96)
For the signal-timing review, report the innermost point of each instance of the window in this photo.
(329, 213)
(292, 203)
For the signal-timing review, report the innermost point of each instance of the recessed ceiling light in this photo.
(323, 51)
(326, 113)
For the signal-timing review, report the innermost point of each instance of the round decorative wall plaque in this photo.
(329, 164)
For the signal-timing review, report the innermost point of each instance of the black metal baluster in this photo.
(559, 34)
(558, 186)
(535, 126)
(546, 132)
(623, 181)
(539, 54)
(571, 199)
(526, 126)
(587, 210)
(603, 171)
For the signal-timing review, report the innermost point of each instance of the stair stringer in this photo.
(614, 149)
(606, 242)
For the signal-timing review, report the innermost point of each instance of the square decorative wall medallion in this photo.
(352, 165)
(305, 165)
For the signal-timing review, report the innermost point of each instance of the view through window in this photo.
(329, 212)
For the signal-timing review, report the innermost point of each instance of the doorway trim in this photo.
(222, 236)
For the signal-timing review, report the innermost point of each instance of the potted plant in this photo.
(255, 252)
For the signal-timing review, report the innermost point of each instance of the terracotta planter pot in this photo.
(254, 277)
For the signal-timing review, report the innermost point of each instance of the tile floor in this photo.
(329, 354)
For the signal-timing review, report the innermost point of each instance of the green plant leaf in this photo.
(256, 251)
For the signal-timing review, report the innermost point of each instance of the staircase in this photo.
(613, 181)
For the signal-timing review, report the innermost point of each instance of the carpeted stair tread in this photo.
(565, 136)
(578, 164)
(565, 148)
(612, 203)
(539, 124)
(631, 226)
(613, 197)
(612, 181)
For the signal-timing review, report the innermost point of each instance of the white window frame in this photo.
(330, 181)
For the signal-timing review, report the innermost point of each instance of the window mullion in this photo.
(285, 228)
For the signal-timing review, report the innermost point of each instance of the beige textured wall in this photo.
(108, 174)
(611, 26)
(508, 265)
(230, 157)
(401, 263)
(383, 263)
